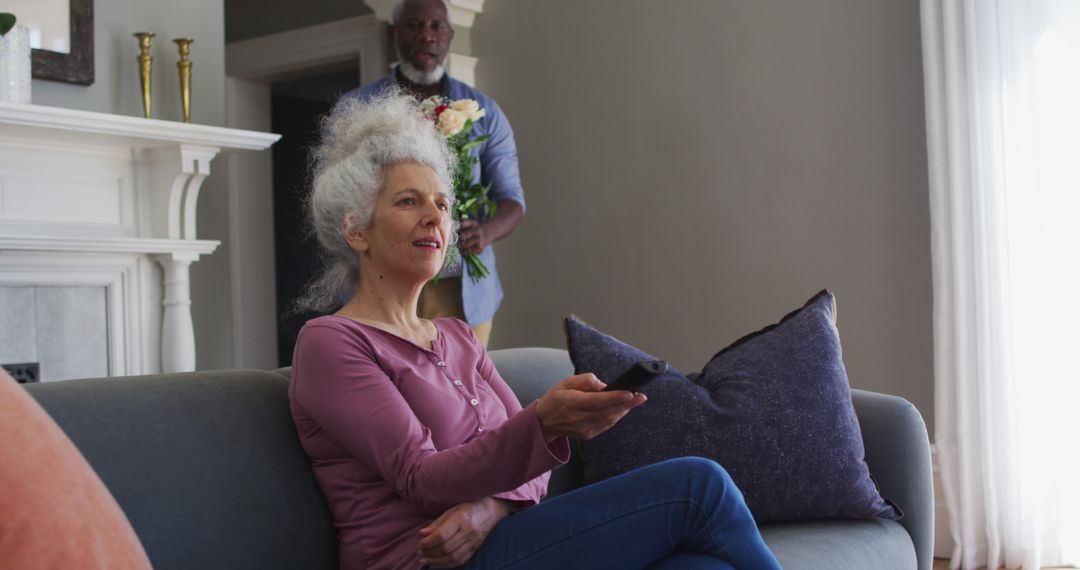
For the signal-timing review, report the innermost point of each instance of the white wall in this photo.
(696, 169)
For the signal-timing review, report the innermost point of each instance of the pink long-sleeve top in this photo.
(398, 433)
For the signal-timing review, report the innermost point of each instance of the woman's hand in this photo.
(577, 408)
(452, 539)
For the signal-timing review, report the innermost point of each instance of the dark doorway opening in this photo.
(296, 107)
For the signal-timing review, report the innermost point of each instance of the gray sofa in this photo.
(208, 468)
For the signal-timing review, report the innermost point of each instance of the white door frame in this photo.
(251, 66)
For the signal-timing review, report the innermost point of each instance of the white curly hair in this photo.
(360, 140)
(399, 7)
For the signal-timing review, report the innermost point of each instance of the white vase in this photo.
(15, 65)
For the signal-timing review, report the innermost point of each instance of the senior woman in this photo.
(423, 452)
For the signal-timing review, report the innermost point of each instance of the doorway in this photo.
(296, 109)
(304, 69)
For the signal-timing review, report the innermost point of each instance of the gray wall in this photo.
(246, 19)
(116, 81)
(697, 169)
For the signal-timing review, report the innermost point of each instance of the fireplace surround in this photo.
(100, 200)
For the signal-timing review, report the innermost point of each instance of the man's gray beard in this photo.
(419, 77)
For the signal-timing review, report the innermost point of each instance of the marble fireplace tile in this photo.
(72, 326)
(18, 332)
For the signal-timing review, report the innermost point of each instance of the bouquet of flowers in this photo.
(455, 119)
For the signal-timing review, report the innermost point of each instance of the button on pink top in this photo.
(397, 433)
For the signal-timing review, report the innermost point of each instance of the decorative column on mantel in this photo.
(462, 14)
(177, 329)
(84, 189)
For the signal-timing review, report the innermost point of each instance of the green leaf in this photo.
(475, 268)
(7, 21)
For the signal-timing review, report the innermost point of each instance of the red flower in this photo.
(440, 109)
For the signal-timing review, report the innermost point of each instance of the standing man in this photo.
(422, 34)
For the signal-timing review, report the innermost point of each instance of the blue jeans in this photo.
(682, 513)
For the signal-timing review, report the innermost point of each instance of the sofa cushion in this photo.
(774, 408)
(54, 510)
(207, 466)
(841, 544)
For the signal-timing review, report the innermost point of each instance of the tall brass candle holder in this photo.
(184, 67)
(145, 62)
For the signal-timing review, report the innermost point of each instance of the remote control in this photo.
(639, 374)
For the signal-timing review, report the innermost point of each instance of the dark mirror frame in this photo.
(77, 66)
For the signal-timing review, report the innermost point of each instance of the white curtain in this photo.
(1003, 126)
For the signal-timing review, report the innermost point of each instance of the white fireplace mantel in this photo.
(91, 197)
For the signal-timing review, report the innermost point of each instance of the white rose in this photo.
(468, 107)
(465, 106)
(451, 122)
(427, 106)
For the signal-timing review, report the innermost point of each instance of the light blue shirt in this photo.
(498, 166)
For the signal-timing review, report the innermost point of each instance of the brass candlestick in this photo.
(145, 61)
(184, 67)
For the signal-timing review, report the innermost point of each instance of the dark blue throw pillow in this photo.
(774, 408)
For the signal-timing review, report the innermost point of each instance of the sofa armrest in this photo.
(530, 372)
(898, 454)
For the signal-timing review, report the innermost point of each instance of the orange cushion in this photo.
(54, 510)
